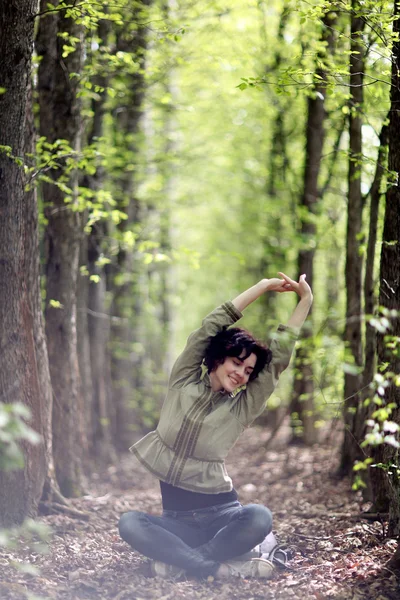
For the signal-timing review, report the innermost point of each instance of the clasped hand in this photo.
(286, 284)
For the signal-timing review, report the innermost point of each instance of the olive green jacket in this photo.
(198, 426)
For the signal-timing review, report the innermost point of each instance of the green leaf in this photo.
(55, 304)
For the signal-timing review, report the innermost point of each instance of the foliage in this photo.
(32, 533)
(381, 428)
(13, 430)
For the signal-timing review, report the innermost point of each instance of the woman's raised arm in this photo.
(304, 292)
(257, 290)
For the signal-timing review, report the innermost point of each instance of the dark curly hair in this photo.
(233, 342)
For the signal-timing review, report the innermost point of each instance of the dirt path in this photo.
(337, 554)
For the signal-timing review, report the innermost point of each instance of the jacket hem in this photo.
(190, 488)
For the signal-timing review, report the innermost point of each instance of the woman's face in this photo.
(233, 373)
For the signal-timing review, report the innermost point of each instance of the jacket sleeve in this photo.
(251, 402)
(187, 367)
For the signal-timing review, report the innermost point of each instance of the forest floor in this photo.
(337, 554)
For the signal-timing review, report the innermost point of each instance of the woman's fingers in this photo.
(287, 279)
(304, 288)
(301, 287)
(286, 287)
(292, 281)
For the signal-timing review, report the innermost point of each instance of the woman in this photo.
(203, 526)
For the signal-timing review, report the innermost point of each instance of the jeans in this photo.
(197, 541)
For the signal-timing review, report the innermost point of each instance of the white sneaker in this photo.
(256, 567)
(160, 569)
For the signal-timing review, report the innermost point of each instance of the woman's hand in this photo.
(301, 287)
(276, 285)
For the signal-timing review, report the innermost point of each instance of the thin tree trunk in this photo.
(364, 411)
(83, 341)
(274, 253)
(332, 288)
(99, 335)
(278, 156)
(20, 379)
(353, 270)
(303, 388)
(369, 280)
(98, 318)
(166, 169)
(59, 119)
(126, 306)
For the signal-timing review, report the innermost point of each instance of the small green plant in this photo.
(14, 428)
(382, 428)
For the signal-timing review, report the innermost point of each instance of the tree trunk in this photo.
(369, 281)
(126, 306)
(50, 489)
(364, 411)
(303, 389)
(20, 378)
(332, 289)
(386, 487)
(98, 318)
(59, 120)
(162, 343)
(353, 270)
(99, 335)
(83, 341)
(274, 254)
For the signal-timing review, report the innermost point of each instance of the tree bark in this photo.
(33, 275)
(126, 307)
(332, 289)
(99, 336)
(364, 411)
(98, 317)
(353, 269)
(369, 280)
(273, 252)
(20, 378)
(386, 487)
(303, 388)
(83, 341)
(59, 119)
